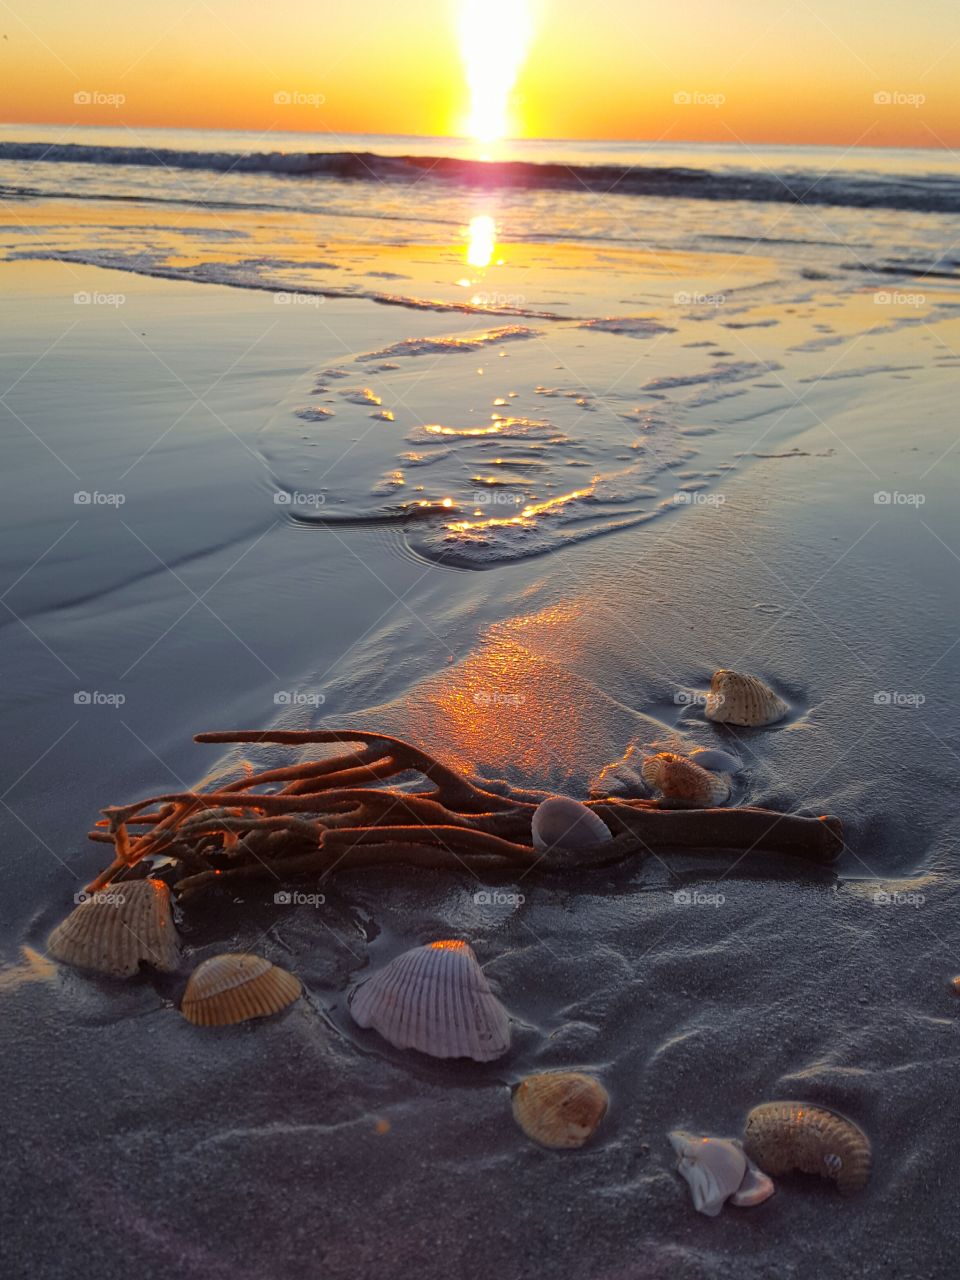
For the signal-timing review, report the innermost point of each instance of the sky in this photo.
(839, 72)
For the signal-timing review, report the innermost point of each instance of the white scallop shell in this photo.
(436, 999)
(561, 823)
(684, 782)
(117, 928)
(717, 1170)
(735, 698)
(715, 760)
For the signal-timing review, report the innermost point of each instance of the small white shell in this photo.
(561, 823)
(740, 699)
(685, 782)
(117, 928)
(713, 1167)
(715, 760)
(754, 1189)
(436, 999)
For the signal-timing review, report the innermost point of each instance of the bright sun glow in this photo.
(494, 37)
(481, 240)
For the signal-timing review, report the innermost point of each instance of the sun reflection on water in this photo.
(481, 240)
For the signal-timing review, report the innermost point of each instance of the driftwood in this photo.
(326, 814)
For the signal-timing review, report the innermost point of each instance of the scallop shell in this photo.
(561, 823)
(436, 999)
(781, 1136)
(715, 760)
(116, 929)
(560, 1109)
(232, 988)
(713, 1167)
(681, 780)
(743, 700)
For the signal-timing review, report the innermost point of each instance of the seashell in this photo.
(715, 760)
(681, 780)
(233, 988)
(560, 1109)
(781, 1136)
(754, 1189)
(743, 700)
(436, 999)
(561, 823)
(116, 929)
(714, 1168)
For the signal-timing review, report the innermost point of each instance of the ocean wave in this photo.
(924, 193)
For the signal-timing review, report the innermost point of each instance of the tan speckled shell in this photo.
(233, 988)
(117, 929)
(738, 699)
(560, 1109)
(781, 1136)
(681, 780)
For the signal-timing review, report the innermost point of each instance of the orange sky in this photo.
(803, 72)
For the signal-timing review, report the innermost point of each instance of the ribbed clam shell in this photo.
(713, 1167)
(683, 781)
(560, 1109)
(436, 999)
(781, 1136)
(739, 699)
(117, 929)
(562, 823)
(715, 760)
(233, 988)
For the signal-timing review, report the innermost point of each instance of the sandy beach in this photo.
(766, 485)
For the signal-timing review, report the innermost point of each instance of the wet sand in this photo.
(137, 1144)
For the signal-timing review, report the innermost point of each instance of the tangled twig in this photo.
(338, 812)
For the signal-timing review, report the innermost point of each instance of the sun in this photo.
(494, 39)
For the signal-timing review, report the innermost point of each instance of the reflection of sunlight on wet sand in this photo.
(506, 708)
(34, 968)
(481, 240)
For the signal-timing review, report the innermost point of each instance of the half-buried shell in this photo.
(717, 1170)
(562, 823)
(739, 699)
(232, 988)
(116, 929)
(684, 782)
(436, 999)
(560, 1109)
(781, 1136)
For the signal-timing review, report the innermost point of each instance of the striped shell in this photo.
(562, 823)
(560, 1109)
(116, 929)
(781, 1136)
(683, 781)
(233, 988)
(436, 999)
(743, 700)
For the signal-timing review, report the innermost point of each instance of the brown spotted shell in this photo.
(560, 1109)
(117, 928)
(781, 1136)
(232, 988)
(739, 699)
(684, 782)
